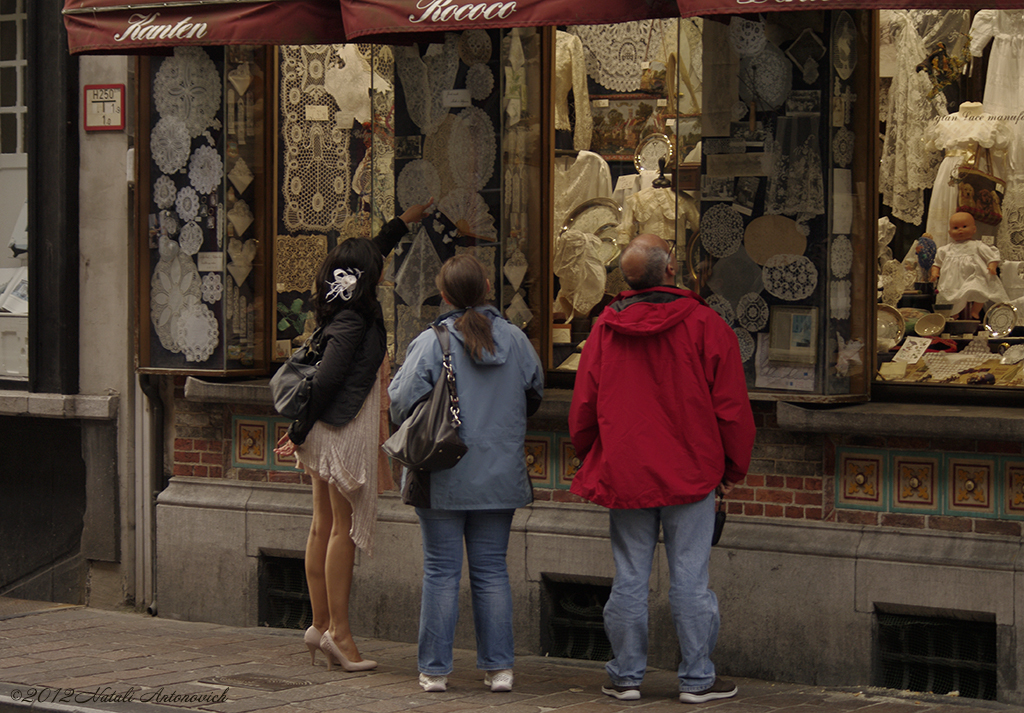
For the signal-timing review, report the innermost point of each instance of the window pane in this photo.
(8, 41)
(8, 7)
(9, 86)
(8, 133)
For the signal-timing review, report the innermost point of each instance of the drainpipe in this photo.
(151, 487)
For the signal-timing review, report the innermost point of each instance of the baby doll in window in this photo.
(967, 270)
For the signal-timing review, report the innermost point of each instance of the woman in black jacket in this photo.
(336, 440)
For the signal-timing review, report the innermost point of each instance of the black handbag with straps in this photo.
(291, 385)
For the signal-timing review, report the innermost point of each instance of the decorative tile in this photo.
(971, 482)
(250, 443)
(281, 428)
(859, 478)
(1013, 502)
(916, 482)
(568, 464)
(538, 460)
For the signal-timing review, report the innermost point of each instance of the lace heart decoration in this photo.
(241, 175)
(240, 78)
(240, 216)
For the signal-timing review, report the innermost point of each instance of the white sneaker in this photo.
(499, 681)
(433, 684)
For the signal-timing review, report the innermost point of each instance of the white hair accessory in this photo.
(344, 284)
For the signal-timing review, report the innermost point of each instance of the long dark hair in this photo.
(353, 253)
(463, 282)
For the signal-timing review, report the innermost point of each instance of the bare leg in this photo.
(341, 553)
(316, 553)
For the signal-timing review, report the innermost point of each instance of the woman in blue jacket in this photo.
(500, 382)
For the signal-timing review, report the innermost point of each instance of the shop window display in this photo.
(201, 256)
(950, 285)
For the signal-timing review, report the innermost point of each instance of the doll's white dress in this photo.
(964, 275)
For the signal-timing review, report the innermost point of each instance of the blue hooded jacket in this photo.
(493, 398)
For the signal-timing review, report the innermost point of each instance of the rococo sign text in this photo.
(448, 10)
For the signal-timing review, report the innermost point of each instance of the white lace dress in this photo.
(571, 75)
(907, 167)
(964, 275)
(958, 136)
(586, 177)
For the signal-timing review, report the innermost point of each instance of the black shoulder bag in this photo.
(291, 385)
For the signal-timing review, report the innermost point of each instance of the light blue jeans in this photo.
(634, 534)
(486, 535)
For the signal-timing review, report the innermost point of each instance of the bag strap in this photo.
(441, 332)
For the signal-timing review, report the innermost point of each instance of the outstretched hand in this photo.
(415, 213)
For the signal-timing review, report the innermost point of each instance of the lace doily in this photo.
(187, 204)
(197, 332)
(164, 192)
(844, 45)
(746, 37)
(241, 175)
(472, 147)
(414, 280)
(839, 299)
(722, 306)
(841, 256)
(470, 213)
(842, 146)
(213, 287)
(169, 222)
(735, 276)
(615, 52)
(752, 312)
(205, 169)
(170, 144)
(746, 343)
(241, 217)
(769, 235)
(316, 157)
(417, 183)
(174, 285)
(795, 182)
(298, 257)
(187, 87)
(479, 81)
(943, 366)
(721, 230)
(191, 238)
(425, 80)
(790, 277)
(766, 78)
(474, 47)
(435, 150)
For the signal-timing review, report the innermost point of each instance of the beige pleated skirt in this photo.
(346, 457)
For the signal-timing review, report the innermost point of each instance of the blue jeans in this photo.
(634, 534)
(486, 534)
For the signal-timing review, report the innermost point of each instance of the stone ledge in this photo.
(907, 420)
(75, 406)
(255, 392)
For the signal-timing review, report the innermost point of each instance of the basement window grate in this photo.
(575, 620)
(936, 655)
(284, 597)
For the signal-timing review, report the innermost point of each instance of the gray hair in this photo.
(655, 261)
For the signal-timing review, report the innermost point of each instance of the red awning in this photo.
(133, 26)
(390, 20)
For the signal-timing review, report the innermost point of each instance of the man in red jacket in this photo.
(661, 419)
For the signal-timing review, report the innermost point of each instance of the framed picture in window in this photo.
(793, 335)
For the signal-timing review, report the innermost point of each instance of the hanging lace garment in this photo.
(958, 136)
(571, 75)
(576, 181)
(581, 273)
(614, 53)
(795, 182)
(907, 168)
(349, 83)
(515, 99)
(414, 279)
(316, 158)
(425, 80)
(1004, 93)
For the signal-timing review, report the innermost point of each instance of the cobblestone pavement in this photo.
(80, 659)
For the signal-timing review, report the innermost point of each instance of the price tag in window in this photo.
(456, 99)
(663, 102)
(601, 103)
(103, 108)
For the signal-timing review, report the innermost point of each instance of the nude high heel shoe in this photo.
(334, 655)
(312, 640)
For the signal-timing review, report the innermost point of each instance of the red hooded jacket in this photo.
(660, 413)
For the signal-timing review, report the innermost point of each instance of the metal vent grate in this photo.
(284, 597)
(575, 621)
(936, 655)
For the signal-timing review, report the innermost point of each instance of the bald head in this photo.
(646, 262)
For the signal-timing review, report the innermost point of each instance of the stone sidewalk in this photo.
(78, 659)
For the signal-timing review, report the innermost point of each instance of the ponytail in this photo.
(464, 284)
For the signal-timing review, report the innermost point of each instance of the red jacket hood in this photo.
(650, 311)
